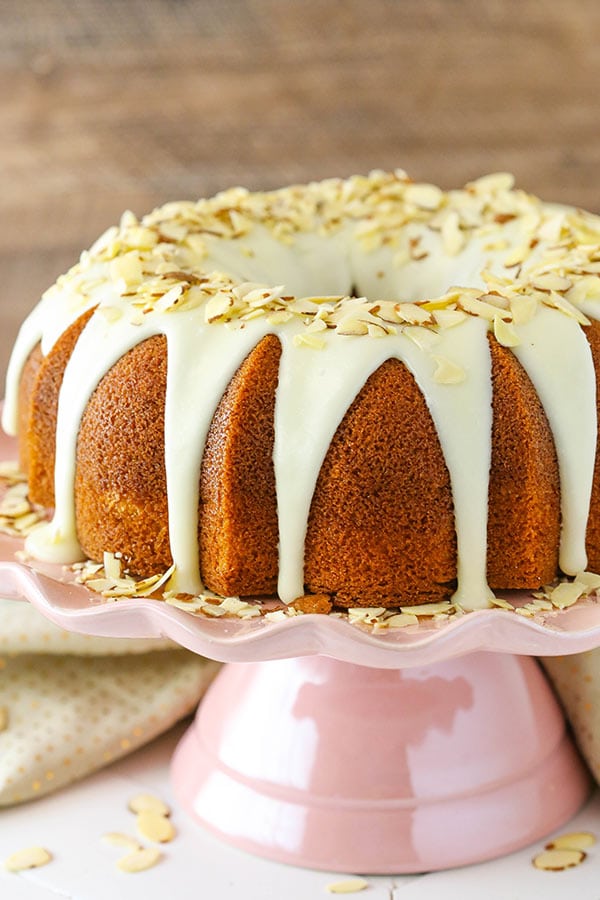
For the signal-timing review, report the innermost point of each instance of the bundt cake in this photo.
(368, 389)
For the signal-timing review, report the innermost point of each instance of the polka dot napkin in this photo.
(24, 630)
(576, 680)
(70, 704)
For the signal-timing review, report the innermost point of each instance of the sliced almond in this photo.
(278, 615)
(585, 288)
(426, 196)
(493, 183)
(365, 613)
(558, 301)
(310, 340)
(496, 299)
(117, 839)
(412, 313)
(378, 331)
(317, 324)
(9, 469)
(402, 620)
(541, 603)
(28, 858)
(448, 372)
(13, 507)
(279, 316)
(575, 840)
(218, 306)
(427, 609)
(523, 308)
(112, 565)
(550, 281)
(424, 338)
(453, 239)
(525, 612)
(352, 325)
(348, 886)
(448, 318)
(140, 238)
(517, 255)
(3, 718)
(551, 227)
(589, 579)
(479, 307)
(566, 594)
(501, 603)
(155, 826)
(127, 268)
(144, 802)
(139, 860)
(505, 334)
(558, 860)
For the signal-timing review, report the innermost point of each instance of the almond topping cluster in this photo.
(153, 824)
(18, 516)
(109, 579)
(112, 582)
(159, 265)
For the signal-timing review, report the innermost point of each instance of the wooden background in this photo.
(109, 104)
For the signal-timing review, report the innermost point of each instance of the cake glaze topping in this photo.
(347, 274)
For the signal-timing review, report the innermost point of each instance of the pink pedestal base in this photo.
(341, 767)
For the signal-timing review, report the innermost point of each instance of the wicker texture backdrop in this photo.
(106, 105)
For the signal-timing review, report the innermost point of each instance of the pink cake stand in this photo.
(326, 745)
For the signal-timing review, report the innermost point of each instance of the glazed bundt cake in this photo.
(368, 389)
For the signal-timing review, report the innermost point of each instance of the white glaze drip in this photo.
(557, 358)
(462, 414)
(201, 363)
(46, 322)
(313, 394)
(57, 542)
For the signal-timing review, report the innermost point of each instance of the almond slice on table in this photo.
(558, 860)
(117, 839)
(28, 858)
(574, 840)
(154, 826)
(139, 860)
(143, 802)
(347, 886)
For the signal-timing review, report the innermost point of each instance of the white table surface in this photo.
(196, 865)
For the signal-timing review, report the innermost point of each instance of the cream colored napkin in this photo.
(576, 680)
(24, 630)
(70, 704)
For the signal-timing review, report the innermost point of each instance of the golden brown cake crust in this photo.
(381, 526)
(524, 500)
(120, 489)
(40, 387)
(238, 511)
